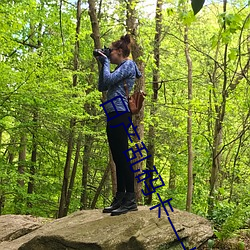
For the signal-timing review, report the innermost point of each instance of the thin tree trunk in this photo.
(88, 139)
(33, 158)
(11, 155)
(214, 81)
(32, 168)
(245, 122)
(78, 144)
(99, 189)
(113, 173)
(66, 170)
(95, 24)
(64, 191)
(97, 44)
(217, 142)
(19, 199)
(77, 43)
(137, 53)
(1, 136)
(189, 124)
(2, 201)
(73, 174)
(34, 144)
(2, 197)
(2, 194)
(234, 167)
(85, 170)
(240, 142)
(1, 180)
(96, 33)
(172, 170)
(151, 133)
(22, 159)
(172, 177)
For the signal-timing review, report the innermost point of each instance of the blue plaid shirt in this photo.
(113, 82)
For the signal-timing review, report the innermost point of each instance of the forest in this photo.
(195, 120)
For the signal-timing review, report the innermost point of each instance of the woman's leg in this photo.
(118, 142)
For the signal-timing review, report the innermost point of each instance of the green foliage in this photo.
(241, 245)
(210, 244)
(39, 80)
(235, 221)
(222, 211)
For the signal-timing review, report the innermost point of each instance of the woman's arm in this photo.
(123, 72)
(101, 86)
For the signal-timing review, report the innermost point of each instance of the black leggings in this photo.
(118, 142)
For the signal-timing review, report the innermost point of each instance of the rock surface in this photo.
(15, 226)
(93, 230)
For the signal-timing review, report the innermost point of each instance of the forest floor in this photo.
(231, 244)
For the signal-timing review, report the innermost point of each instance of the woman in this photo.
(126, 71)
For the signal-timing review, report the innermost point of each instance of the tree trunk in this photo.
(137, 53)
(66, 176)
(113, 173)
(11, 152)
(99, 189)
(19, 198)
(73, 174)
(85, 170)
(2, 197)
(9, 160)
(89, 139)
(1, 179)
(151, 133)
(35, 112)
(97, 45)
(33, 157)
(21, 159)
(217, 142)
(32, 167)
(77, 43)
(189, 124)
(1, 135)
(2, 201)
(172, 177)
(64, 191)
(172, 170)
(95, 24)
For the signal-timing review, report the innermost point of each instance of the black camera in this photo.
(106, 51)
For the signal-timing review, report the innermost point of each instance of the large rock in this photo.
(15, 226)
(93, 230)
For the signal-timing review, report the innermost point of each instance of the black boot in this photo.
(128, 204)
(117, 200)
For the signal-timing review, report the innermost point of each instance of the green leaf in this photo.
(197, 5)
(233, 54)
(226, 36)
(210, 243)
(188, 17)
(218, 235)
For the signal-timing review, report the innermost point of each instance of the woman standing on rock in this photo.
(125, 72)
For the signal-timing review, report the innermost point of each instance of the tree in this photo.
(94, 18)
(189, 124)
(63, 206)
(137, 53)
(151, 133)
(220, 107)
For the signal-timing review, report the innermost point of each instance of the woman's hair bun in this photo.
(126, 39)
(123, 43)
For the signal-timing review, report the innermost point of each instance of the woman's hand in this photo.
(101, 58)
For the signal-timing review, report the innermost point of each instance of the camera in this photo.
(106, 51)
